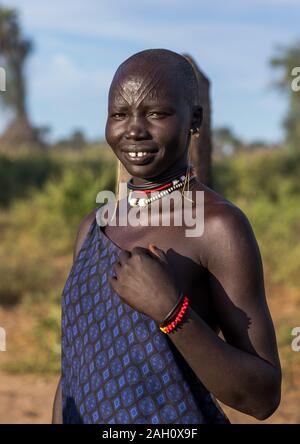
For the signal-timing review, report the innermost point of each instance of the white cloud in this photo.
(230, 46)
(61, 75)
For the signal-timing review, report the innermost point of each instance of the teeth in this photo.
(139, 154)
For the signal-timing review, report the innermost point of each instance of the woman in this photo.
(143, 306)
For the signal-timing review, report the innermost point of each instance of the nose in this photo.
(136, 130)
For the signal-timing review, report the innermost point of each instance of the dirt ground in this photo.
(28, 399)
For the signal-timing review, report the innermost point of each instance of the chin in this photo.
(144, 171)
(149, 170)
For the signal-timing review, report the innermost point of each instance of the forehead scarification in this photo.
(135, 88)
(143, 73)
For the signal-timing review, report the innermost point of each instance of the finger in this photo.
(117, 268)
(139, 250)
(113, 281)
(160, 254)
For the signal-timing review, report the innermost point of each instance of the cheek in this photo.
(113, 132)
(171, 132)
(108, 132)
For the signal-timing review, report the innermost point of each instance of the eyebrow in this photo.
(147, 106)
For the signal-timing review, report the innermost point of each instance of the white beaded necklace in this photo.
(142, 202)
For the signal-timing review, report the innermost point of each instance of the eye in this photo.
(158, 114)
(118, 116)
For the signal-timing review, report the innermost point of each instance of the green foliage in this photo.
(77, 193)
(285, 60)
(20, 175)
(14, 49)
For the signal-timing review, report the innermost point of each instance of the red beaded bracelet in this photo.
(172, 325)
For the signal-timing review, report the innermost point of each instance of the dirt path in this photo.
(26, 399)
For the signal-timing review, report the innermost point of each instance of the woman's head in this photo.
(151, 109)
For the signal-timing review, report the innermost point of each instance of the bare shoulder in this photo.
(82, 232)
(225, 225)
(221, 214)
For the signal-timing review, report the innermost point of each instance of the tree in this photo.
(14, 51)
(225, 141)
(286, 59)
(77, 140)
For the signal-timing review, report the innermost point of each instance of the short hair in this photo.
(183, 69)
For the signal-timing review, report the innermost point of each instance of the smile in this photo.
(139, 154)
(139, 157)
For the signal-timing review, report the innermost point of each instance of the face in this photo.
(149, 121)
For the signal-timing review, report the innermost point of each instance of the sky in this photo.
(79, 44)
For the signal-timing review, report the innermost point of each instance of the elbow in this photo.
(262, 400)
(268, 410)
(270, 403)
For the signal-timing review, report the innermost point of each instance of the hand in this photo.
(145, 281)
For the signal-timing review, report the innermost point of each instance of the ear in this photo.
(197, 116)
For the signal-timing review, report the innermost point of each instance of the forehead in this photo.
(144, 84)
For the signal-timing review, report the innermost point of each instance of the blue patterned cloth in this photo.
(117, 366)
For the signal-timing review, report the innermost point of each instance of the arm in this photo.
(243, 372)
(81, 234)
(57, 406)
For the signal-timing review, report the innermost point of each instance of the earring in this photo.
(197, 132)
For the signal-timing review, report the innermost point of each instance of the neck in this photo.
(175, 169)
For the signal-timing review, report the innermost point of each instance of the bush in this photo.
(20, 175)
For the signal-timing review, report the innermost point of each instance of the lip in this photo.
(138, 148)
(139, 160)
